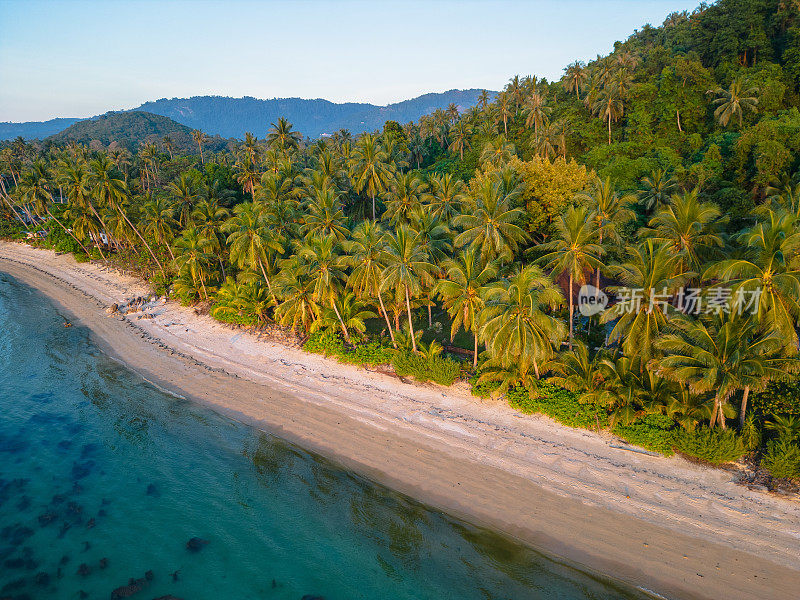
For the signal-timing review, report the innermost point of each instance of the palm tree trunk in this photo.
(144, 241)
(338, 316)
(609, 130)
(678, 115)
(475, 352)
(536, 368)
(571, 313)
(410, 324)
(264, 273)
(74, 237)
(373, 207)
(386, 316)
(744, 405)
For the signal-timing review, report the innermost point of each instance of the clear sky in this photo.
(81, 58)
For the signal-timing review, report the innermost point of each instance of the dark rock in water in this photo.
(82, 595)
(13, 445)
(196, 544)
(102, 513)
(105, 502)
(74, 508)
(126, 591)
(103, 563)
(77, 488)
(42, 578)
(148, 575)
(16, 534)
(81, 470)
(64, 560)
(312, 597)
(90, 524)
(57, 499)
(24, 503)
(47, 518)
(14, 563)
(64, 445)
(89, 449)
(152, 490)
(86, 546)
(13, 585)
(84, 570)
(175, 575)
(168, 597)
(64, 528)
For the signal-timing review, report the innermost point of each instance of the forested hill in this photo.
(233, 117)
(131, 129)
(34, 129)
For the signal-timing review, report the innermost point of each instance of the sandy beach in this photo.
(663, 524)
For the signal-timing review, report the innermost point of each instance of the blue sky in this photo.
(77, 59)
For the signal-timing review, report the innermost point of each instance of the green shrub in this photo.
(328, 343)
(782, 459)
(780, 398)
(716, 446)
(653, 432)
(443, 371)
(559, 404)
(232, 317)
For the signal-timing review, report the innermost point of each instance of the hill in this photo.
(129, 129)
(34, 129)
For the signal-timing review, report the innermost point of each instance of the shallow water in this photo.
(95, 463)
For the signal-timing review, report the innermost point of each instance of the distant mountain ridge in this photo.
(232, 117)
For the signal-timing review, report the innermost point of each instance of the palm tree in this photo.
(609, 106)
(208, 217)
(649, 278)
(575, 78)
(732, 102)
(298, 306)
(461, 135)
(199, 137)
(184, 193)
(446, 196)
(73, 179)
(483, 99)
(463, 290)
(723, 355)
(766, 273)
(496, 153)
(517, 331)
(573, 251)
(168, 144)
(490, 223)
(84, 224)
(347, 312)
(537, 110)
(407, 266)
(158, 220)
(575, 370)
(364, 251)
(406, 192)
(370, 168)
(657, 188)
(503, 110)
(324, 214)
(252, 244)
(690, 227)
(193, 257)
(110, 190)
(283, 136)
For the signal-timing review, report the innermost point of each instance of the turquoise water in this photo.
(104, 478)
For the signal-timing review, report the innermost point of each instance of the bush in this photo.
(653, 432)
(329, 343)
(716, 446)
(782, 459)
(780, 398)
(443, 371)
(559, 404)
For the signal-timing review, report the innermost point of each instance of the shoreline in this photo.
(665, 525)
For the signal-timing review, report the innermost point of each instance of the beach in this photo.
(665, 524)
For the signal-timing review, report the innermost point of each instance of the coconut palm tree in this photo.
(657, 189)
(158, 221)
(364, 255)
(184, 194)
(490, 223)
(766, 273)
(650, 278)
(73, 179)
(282, 136)
(537, 112)
(404, 198)
(199, 137)
(324, 214)
(370, 168)
(496, 153)
(445, 198)
(193, 257)
(252, 243)
(609, 106)
(298, 307)
(691, 227)
(504, 110)
(723, 354)
(407, 267)
(575, 78)
(575, 370)
(731, 103)
(462, 291)
(347, 312)
(461, 138)
(517, 332)
(574, 251)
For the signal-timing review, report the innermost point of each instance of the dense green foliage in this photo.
(668, 166)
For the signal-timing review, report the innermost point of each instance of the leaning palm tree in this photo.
(490, 222)
(732, 102)
(722, 355)
(364, 253)
(657, 189)
(462, 292)
(407, 267)
(370, 168)
(574, 251)
(517, 332)
(252, 244)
